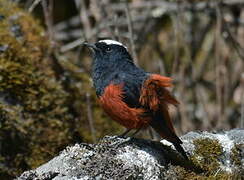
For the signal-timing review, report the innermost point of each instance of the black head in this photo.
(112, 63)
(110, 58)
(109, 51)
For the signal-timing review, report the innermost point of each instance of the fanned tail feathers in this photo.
(154, 93)
(156, 98)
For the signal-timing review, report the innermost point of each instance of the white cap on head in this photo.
(110, 42)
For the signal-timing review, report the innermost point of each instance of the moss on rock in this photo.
(41, 111)
(207, 153)
(236, 156)
(183, 174)
(34, 107)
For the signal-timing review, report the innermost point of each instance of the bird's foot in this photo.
(124, 133)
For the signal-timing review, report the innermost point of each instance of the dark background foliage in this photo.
(198, 43)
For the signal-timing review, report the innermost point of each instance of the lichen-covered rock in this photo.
(111, 158)
(217, 148)
(131, 158)
(220, 155)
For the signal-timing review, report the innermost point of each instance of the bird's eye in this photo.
(108, 49)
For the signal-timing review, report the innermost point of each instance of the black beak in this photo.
(91, 46)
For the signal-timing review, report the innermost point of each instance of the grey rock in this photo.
(111, 158)
(131, 158)
(236, 135)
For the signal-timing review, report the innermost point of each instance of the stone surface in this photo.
(131, 158)
(228, 140)
(114, 157)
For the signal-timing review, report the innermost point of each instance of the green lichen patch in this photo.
(207, 154)
(236, 155)
(182, 174)
(35, 118)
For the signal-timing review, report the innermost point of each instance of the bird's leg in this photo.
(124, 133)
(128, 138)
(136, 132)
(123, 138)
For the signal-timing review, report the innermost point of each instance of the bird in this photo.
(134, 98)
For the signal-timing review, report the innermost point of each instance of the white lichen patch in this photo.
(73, 151)
(62, 163)
(141, 159)
(225, 142)
(227, 145)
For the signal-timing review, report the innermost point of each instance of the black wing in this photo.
(132, 80)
